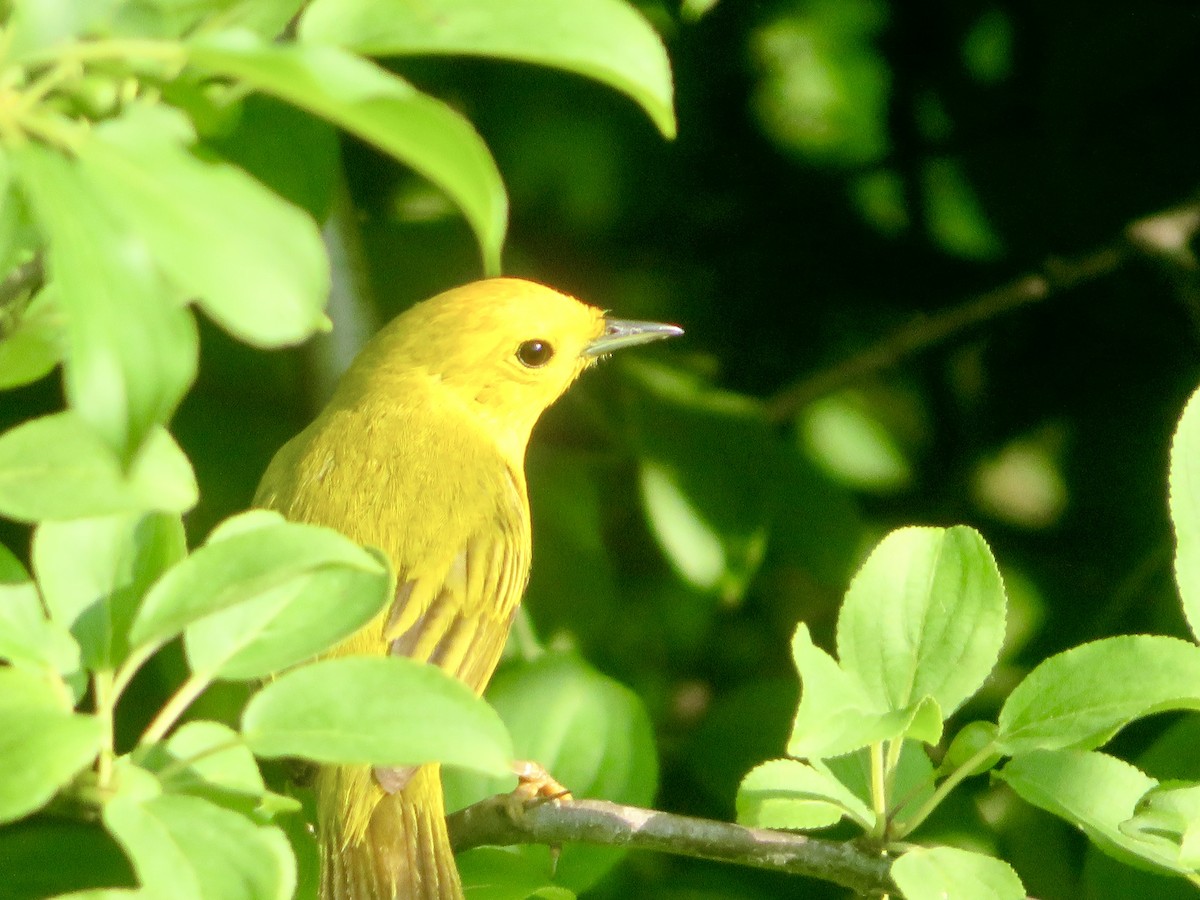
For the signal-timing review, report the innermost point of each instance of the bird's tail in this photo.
(379, 846)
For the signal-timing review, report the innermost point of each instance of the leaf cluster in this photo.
(918, 634)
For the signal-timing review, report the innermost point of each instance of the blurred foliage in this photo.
(841, 170)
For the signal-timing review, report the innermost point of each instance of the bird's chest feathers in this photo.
(411, 480)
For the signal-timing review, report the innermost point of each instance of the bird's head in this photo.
(506, 348)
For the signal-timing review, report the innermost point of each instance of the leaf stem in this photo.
(878, 790)
(891, 764)
(37, 91)
(953, 780)
(100, 50)
(105, 699)
(129, 668)
(192, 688)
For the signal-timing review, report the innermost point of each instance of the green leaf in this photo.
(295, 154)
(43, 745)
(388, 711)
(57, 467)
(912, 780)
(1095, 792)
(789, 794)
(987, 49)
(22, 689)
(837, 714)
(34, 26)
(848, 435)
(231, 769)
(607, 40)
(209, 760)
(378, 107)
(94, 573)
(957, 220)
(1185, 509)
(240, 567)
(588, 731)
(189, 849)
(972, 739)
(941, 872)
(176, 18)
(31, 349)
(1082, 697)
(288, 624)
(27, 636)
(708, 468)
(501, 873)
(924, 617)
(253, 262)
(1170, 812)
(131, 349)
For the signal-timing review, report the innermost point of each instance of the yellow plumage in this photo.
(420, 453)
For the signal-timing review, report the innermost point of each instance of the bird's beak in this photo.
(620, 333)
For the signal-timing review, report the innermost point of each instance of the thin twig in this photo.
(1164, 235)
(493, 822)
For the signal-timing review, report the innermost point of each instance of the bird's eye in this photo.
(534, 354)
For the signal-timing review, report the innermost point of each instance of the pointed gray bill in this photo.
(620, 333)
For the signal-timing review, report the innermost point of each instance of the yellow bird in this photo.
(421, 453)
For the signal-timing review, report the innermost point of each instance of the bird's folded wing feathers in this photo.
(458, 617)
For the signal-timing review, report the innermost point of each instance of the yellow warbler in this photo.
(420, 452)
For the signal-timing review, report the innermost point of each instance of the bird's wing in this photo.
(457, 617)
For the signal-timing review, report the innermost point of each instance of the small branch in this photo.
(192, 688)
(493, 822)
(1165, 235)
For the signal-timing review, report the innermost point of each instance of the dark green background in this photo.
(843, 168)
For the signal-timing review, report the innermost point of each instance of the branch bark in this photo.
(1165, 236)
(498, 821)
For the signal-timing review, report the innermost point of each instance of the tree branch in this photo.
(1165, 235)
(497, 821)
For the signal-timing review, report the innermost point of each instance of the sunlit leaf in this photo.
(1082, 697)
(57, 467)
(131, 349)
(43, 744)
(1185, 509)
(32, 349)
(389, 711)
(789, 794)
(838, 714)
(287, 624)
(185, 847)
(1095, 792)
(94, 572)
(241, 565)
(27, 636)
(380, 108)
(252, 261)
(940, 872)
(607, 40)
(924, 617)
